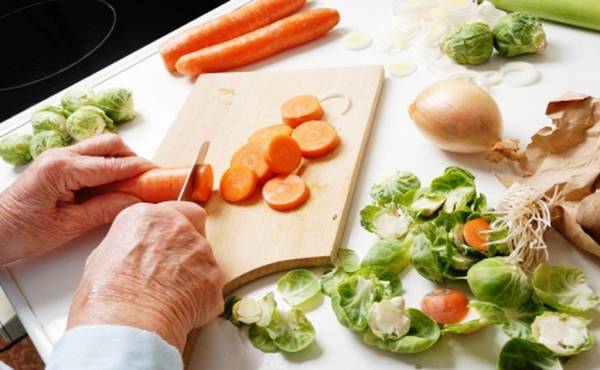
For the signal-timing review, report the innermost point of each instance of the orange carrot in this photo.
(162, 184)
(238, 183)
(284, 34)
(251, 155)
(282, 154)
(474, 233)
(239, 22)
(445, 306)
(285, 192)
(203, 184)
(264, 135)
(300, 109)
(316, 138)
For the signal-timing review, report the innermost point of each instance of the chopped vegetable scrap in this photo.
(355, 41)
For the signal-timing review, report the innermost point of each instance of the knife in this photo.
(188, 185)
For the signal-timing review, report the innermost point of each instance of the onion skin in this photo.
(458, 116)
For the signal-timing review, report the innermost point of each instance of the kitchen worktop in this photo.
(41, 289)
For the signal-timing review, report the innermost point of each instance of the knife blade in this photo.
(188, 186)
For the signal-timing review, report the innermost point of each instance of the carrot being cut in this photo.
(300, 109)
(285, 192)
(445, 306)
(238, 183)
(239, 22)
(163, 184)
(316, 138)
(282, 154)
(475, 234)
(264, 135)
(284, 34)
(251, 155)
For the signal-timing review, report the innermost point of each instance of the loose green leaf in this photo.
(480, 314)
(383, 222)
(458, 185)
(426, 203)
(259, 337)
(348, 260)
(298, 286)
(391, 254)
(291, 331)
(331, 278)
(426, 261)
(521, 354)
(563, 334)
(564, 288)
(389, 191)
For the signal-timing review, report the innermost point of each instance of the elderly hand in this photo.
(39, 211)
(154, 271)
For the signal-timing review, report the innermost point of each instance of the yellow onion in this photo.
(458, 116)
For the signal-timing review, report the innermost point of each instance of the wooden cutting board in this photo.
(252, 240)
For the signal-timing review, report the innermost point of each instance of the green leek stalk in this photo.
(581, 13)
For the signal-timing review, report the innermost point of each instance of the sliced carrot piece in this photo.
(264, 135)
(282, 154)
(251, 155)
(238, 183)
(203, 184)
(474, 233)
(316, 138)
(285, 192)
(300, 109)
(445, 306)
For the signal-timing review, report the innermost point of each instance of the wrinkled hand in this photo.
(39, 212)
(154, 271)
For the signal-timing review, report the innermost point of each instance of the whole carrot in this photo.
(226, 27)
(284, 34)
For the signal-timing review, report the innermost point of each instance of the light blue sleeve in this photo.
(101, 347)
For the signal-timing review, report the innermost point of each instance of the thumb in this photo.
(96, 211)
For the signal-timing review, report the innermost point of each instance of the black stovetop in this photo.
(49, 45)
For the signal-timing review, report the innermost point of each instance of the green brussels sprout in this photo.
(88, 121)
(561, 333)
(50, 118)
(519, 33)
(422, 335)
(45, 140)
(117, 103)
(469, 44)
(251, 311)
(499, 281)
(14, 149)
(522, 354)
(299, 286)
(77, 98)
(390, 190)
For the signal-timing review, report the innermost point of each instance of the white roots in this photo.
(524, 213)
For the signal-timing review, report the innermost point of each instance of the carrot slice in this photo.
(316, 138)
(285, 192)
(445, 306)
(251, 155)
(238, 183)
(474, 233)
(203, 184)
(248, 18)
(282, 154)
(264, 135)
(284, 34)
(300, 109)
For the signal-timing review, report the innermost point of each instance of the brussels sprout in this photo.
(499, 281)
(50, 118)
(519, 33)
(259, 337)
(521, 354)
(427, 203)
(426, 260)
(117, 103)
(227, 314)
(383, 222)
(291, 331)
(331, 278)
(354, 296)
(348, 260)
(14, 149)
(45, 140)
(88, 121)
(77, 98)
(387, 319)
(390, 254)
(564, 288)
(480, 314)
(422, 335)
(389, 191)
(458, 185)
(298, 287)
(561, 333)
(469, 44)
(250, 311)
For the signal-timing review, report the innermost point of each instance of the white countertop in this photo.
(41, 289)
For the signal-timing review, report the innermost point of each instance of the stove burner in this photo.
(44, 39)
